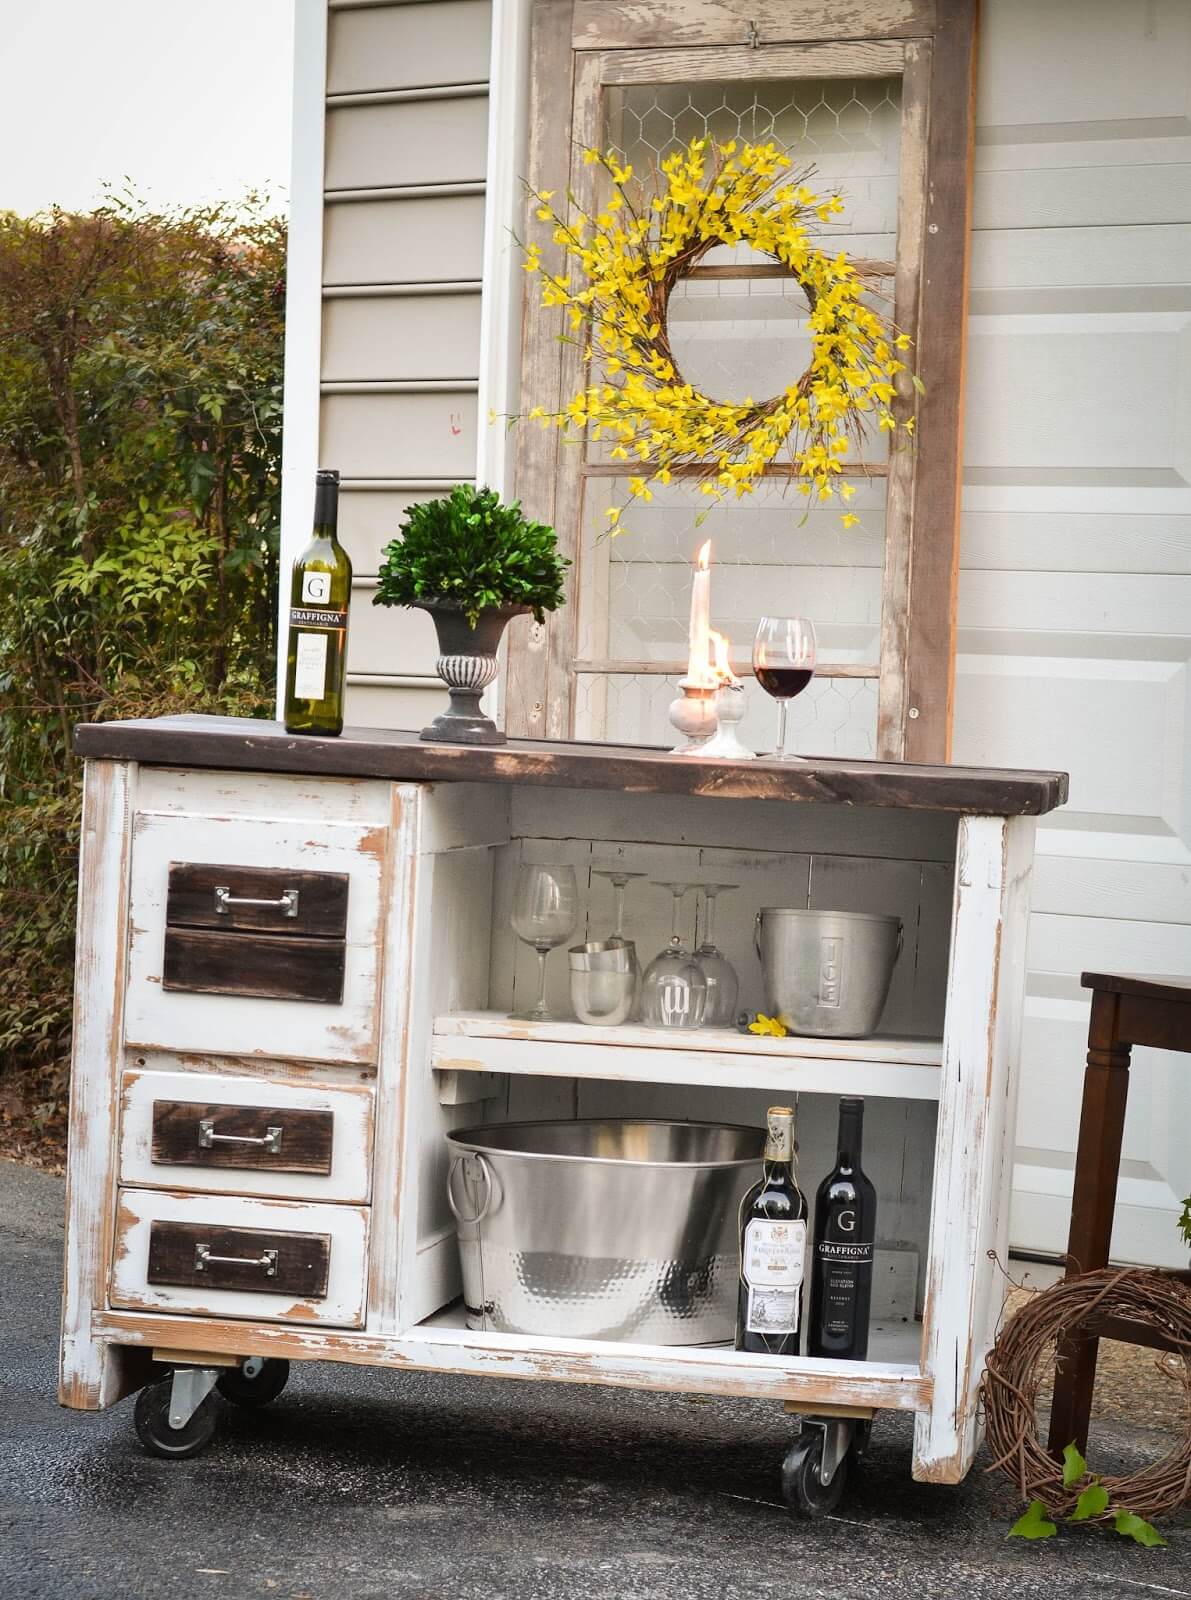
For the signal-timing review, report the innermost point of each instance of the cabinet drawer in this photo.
(245, 1135)
(255, 936)
(228, 1256)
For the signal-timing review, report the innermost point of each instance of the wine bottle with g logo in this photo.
(842, 1259)
(316, 662)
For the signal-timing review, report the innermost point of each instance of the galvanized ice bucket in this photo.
(610, 1229)
(827, 973)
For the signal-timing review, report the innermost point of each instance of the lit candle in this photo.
(699, 662)
(723, 666)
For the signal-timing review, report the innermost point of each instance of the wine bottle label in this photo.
(838, 1316)
(316, 588)
(833, 1250)
(310, 667)
(772, 1267)
(316, 617)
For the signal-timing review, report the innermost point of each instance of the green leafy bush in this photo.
(140, 438)
(474, 553)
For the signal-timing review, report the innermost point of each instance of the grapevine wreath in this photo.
(1024, 1352)
(620, 267)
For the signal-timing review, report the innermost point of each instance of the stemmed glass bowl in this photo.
(723, 986)
(674, 990)
(545, 911)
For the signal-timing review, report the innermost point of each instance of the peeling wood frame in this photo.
(581, 47)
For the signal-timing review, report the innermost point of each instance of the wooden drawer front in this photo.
(208, 972)
(200, 1256)
(264, 931)
(181, 1130)
(225, 1255)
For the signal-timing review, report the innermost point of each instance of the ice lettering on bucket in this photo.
(831, 970)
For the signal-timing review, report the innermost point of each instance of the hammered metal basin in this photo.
(608, 1229)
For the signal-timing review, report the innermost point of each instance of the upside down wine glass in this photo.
(674, 990)
(784, 653)
(719, 1009)
(545, 910)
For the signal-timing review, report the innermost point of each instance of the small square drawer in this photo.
(236, 1135)
(228, 1256)
(255, 935)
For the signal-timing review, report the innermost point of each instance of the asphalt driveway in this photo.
(362, 1484)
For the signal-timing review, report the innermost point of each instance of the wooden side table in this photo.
(1127, 1009)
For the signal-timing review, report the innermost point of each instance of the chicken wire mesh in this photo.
(739, 337)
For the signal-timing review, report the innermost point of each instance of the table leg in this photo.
(1097, 1164)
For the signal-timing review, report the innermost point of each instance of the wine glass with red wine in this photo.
(784, 663)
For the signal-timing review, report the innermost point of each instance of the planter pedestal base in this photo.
(467, 664)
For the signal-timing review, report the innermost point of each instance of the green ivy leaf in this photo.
(1132, 1527)
(1091, 1503)
(1032, 1524)
(1074, 1466)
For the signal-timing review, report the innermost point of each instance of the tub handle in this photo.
(757, 936)
(469, 1222)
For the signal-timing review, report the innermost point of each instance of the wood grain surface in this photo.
(303, 1259)
(322, 899)
(267, 966)
(241, 743)
(304, 1145)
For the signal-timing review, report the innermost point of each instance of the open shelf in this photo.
(889, 1378)
(488, 1041)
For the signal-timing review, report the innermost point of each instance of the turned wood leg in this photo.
(1097, 1164)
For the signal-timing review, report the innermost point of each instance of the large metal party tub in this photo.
(611, 1229)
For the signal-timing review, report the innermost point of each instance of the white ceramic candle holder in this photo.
(725, 741)
(693, 714)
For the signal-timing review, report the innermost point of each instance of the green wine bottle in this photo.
(319, 597)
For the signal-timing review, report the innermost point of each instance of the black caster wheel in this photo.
(152, 1419)
(253, 1387)
(803, 1491)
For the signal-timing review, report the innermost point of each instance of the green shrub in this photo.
(472, 552)
(140, 436)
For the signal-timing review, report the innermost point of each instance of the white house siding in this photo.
(1075, 582)
(1075, 588)
(405, 159)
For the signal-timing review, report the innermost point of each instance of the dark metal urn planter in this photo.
(467, 665)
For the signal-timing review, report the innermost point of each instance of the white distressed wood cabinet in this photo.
(263, 1080)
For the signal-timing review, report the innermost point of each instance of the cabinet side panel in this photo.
(92, 1374)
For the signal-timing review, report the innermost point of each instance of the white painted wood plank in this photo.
(234, 1024)
(351, 1135)
(897, 1068)
(91, 1374)
(347, 1227)
(206, 795)
(973, 1154)
(665, 1368)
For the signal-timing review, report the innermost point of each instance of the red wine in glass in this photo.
(784, 652)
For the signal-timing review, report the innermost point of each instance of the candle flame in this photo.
(704, 557)
(723, 667)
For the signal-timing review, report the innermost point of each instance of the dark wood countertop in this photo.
(242, 744)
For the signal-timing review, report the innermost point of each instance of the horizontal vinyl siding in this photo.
(406, 156)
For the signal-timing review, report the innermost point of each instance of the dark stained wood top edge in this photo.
(398, 755)
(1152, 985)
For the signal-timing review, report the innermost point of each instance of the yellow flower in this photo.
(849, 519)
(768, 1027)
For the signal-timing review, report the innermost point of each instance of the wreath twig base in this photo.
(1023, 1354)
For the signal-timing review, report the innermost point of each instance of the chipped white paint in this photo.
(488, 1041)
(973, 1155)
(347, 1227)
(236, 1024)
(351, 1135)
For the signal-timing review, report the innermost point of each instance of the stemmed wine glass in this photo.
(674, 990)
(723, 986)
(784, 663)
(618, 877)
(545, 910)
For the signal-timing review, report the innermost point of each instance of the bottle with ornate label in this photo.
(772, 1248)
(320, 593)
(842, 1260)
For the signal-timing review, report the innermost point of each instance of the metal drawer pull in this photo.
(225, 899)
(204, 1259)
(270, 1140)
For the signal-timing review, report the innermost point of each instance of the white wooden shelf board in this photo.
(891, 1375)
(488, 1041)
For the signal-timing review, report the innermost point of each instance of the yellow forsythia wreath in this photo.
(623, 264)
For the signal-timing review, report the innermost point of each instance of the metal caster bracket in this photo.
(837, 1436)
(190, 1387)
